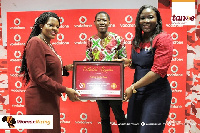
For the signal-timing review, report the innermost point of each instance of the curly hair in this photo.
(36, 30)
(138, 31)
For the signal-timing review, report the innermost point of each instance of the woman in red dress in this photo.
(42, 67)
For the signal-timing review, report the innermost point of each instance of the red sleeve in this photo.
(163, 54)
(36, 63)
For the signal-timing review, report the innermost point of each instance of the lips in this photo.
(146, 26)
(53, 33)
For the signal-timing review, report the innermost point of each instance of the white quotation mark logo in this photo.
(18, 84)
(129, 36)
(17, 54)
(174, 36)
(82, 19)
(18, 99)
(17, 37)
(129, 19)
(83, 36)
(17, 21)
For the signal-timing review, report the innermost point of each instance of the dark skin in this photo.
(148, 21)
(102, 22)
(48, 32)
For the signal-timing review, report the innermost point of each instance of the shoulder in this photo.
(162, 35)
(162, 39)
(35, 42)
(93, 37)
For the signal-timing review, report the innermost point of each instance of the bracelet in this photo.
(130, 62)
(133, 89)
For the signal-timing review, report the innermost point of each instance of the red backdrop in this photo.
(76, 27)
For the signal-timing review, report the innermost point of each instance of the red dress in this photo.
(42, 96)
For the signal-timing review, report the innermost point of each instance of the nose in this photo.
(146, 20)
(101, 22)
(55, 28)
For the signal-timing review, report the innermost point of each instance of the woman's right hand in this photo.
(69, 67)
(72, 94)
(127, 62)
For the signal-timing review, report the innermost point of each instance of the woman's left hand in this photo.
(128, 93)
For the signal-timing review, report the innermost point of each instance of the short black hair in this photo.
(103, 13)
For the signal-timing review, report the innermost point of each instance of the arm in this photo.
(122, 53)
(88, 52)
(36, 63)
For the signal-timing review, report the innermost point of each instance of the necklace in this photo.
(51, 47)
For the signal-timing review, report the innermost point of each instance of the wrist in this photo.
(130, 62)
(133, 88)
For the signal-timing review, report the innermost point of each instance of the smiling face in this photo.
(148, 20)
(102, 22)
(50, 29)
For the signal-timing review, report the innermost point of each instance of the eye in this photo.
(142, 18)
(50, 25)
(151, 17)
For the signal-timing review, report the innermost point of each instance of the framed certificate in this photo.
(103, 80)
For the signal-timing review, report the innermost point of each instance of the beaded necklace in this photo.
(51, 47)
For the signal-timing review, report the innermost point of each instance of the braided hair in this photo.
(36, 30)
(138, 31)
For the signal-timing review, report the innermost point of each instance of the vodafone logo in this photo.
(18, 99)
(62, 116)
(173, 84)
(64, 97)
(129, 36)
(61, 20)
(17, 69)
(129, 19)
(83, 36)
(17, 21)
(174, 68)
(172, 116)
(83, 116)
(17, 54)
(175, 52)
(174, 100)
(63, 130)
(82, 19)
(19, 113)
(174, 36)
(60, 37)
(83, 130)
(17, 37)
(18, 84)
(20, 130)
(172, 130)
